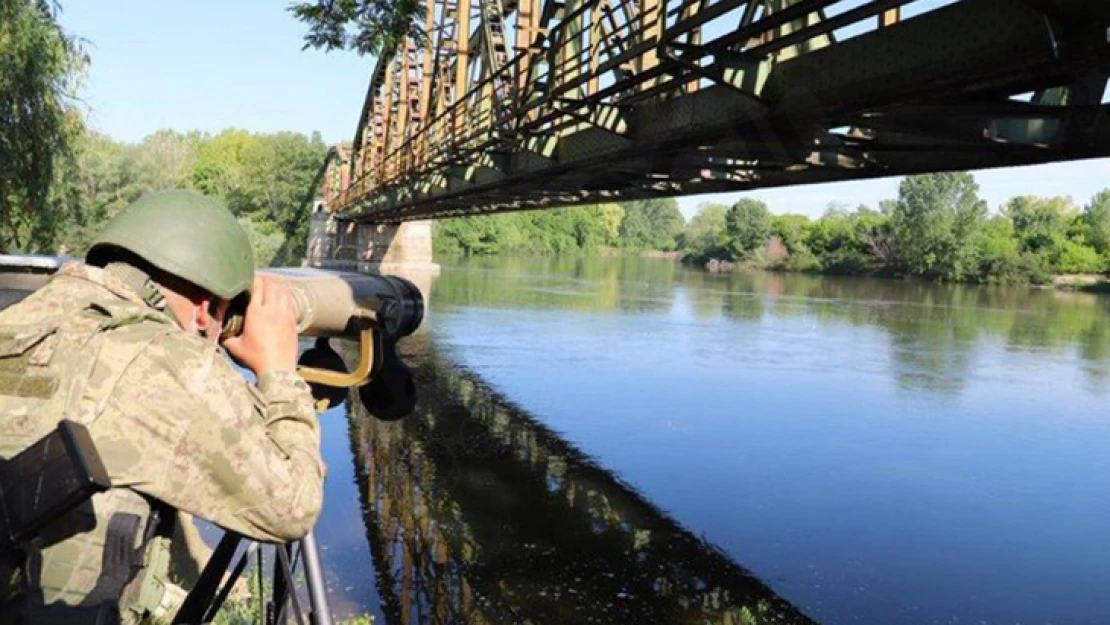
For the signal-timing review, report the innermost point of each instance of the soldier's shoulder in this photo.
(57, 298)
(197, 362)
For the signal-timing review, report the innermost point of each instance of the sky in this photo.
(215, 64)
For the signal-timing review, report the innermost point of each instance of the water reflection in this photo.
(932, 330)
(476, 513)
(558, 283)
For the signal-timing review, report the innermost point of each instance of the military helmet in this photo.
(185, 234)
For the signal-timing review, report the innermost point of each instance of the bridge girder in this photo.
(514, 104)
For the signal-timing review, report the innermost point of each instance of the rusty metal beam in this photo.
(575, 97)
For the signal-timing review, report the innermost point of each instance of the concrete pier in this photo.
(403, 249)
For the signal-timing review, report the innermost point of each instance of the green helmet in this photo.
(185, 234)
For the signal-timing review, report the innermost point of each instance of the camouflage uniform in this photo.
(176, 424)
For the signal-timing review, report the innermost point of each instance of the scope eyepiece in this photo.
(402, 314)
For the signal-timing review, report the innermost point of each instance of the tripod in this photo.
(208, 596)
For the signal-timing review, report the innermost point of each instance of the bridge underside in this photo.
(632, 99)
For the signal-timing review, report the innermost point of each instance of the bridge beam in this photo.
(609, 100)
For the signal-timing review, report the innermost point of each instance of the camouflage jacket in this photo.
(172, 418)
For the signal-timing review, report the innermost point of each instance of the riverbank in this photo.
(616, 252)
(1086, 282)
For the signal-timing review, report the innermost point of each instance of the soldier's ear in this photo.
(206, 321)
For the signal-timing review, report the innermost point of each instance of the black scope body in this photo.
(342, 304)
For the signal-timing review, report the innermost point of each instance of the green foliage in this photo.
(243, 606)
(654, 224)
(40, 67)
(850, 243)
(366, 26)
(264, 178)
(265, 240)
(557, 231)
(1075, 256)
(936, 224)
(705, 237)
(801, 260)
(792, 230)
(1096, 216)
(936, 229)
(1039, 223)
(1000, 257)
(1056, 232)
(748, 226)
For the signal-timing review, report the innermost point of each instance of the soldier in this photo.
(127, 344)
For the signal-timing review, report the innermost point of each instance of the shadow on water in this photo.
(477, 513)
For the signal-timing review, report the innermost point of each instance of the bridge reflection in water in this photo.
(477, 513)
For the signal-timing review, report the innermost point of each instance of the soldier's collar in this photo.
(138, 282)
(122, 280)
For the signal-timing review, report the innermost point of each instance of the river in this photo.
(629, 441)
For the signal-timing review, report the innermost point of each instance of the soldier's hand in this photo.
(269, 338)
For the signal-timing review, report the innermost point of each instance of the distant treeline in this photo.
(938, 228)
(655, 224)
(264, 178)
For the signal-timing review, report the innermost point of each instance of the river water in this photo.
(628, 441)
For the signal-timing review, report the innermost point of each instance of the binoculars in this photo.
(374, 310)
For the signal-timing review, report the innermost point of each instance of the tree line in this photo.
(654, 224)
(265, 179)
(938, 228)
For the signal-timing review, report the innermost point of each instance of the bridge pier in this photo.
(403, 249)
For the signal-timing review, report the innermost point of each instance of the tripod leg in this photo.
(281, 591)
(287, 570)
(229, 585)
(199, 599)
(314, 574)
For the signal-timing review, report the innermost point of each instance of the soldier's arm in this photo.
(244, 458)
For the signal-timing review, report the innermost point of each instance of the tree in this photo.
(596, 225)
(166, 159)
(872, 235)
(935, 225)
(1097, 216)
(276, 178)
(218, 170)
(652, 224)
(106, 180)
(792, 230)
(851, 243)
(705, 237)
(40, 67)
(366, 26)
(610, 216)
(471, 235)
(1002, 260)
(747, 226)
(1055, 230)
(1040, 222)
(265, 240)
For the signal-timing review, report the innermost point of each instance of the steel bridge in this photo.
(507, 105)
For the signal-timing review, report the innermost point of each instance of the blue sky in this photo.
(210, 65)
